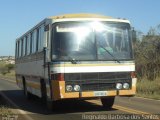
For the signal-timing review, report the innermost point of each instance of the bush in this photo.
(6, 68)
(9, 67)
(149, 89)
(147, 57)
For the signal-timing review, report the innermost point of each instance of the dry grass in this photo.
(149, 89)
(4, 110)
(10, 75)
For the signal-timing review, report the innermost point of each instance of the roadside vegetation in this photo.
(147, 58)
(5, 110)
(7, 70)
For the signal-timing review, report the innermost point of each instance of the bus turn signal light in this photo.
(57, 76)
(133, 75)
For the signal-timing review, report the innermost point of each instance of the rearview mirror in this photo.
(133, 32)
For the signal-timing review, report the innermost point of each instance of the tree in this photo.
(147, 54)
(3, 70)
(9, 67)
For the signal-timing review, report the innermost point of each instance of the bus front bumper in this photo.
(59, 92)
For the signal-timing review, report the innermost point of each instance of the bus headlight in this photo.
(119, 86)
(126, 86)
(77, 88)
(69, 88)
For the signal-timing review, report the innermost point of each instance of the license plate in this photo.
(100, 93)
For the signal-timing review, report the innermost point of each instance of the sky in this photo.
(18, 16)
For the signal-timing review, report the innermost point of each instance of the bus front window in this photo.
(113, 40)
(91, 41)
(74, 41)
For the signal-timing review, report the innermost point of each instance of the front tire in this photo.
(44, 98)
(107, 102)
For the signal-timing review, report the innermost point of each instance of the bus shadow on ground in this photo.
(36, 105)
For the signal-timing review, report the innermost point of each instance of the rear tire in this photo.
(49, 105)
(28, 95)
(107, 102)
(54, 105)
(43, 91)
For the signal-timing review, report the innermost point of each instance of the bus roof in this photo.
(70, 17)
(85, 16)
(80, 15)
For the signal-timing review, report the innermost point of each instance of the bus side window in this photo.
(34, 40)
(16, 50)
(31, 43)
(24, 46)
(41, 38)
(20, 48)
(37, 40)
(28, 44)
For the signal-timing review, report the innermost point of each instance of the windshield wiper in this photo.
(114, 58)
(72, 60)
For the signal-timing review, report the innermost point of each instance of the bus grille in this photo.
(97, 81)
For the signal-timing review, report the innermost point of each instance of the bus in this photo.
(77, 56)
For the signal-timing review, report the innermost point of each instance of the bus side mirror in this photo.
(133, 32)
(46, 28)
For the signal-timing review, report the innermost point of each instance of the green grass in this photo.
(10, 75)
(149, 89)
(2, 63)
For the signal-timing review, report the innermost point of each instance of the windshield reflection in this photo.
(91, 41)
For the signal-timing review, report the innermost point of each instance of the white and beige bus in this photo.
(77, 56)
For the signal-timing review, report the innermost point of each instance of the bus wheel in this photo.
(43, 91)
(53, 105)
(107, 102)
(49, 104)
(26, 93)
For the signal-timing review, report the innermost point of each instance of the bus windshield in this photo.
(91, 41)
